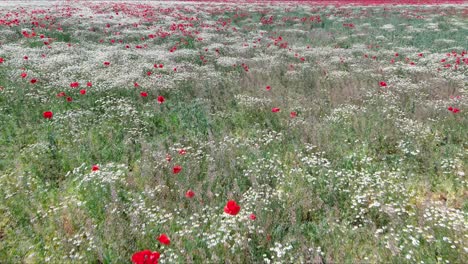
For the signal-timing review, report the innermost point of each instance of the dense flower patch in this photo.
(240, 132)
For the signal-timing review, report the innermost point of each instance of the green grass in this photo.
(350, 180)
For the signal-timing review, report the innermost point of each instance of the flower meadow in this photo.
(245, 132)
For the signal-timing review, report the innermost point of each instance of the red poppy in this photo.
(293, 114)
(161, 99)
(69, 99)
(163, 239)
(1, 60)
(47, 114)
(253, 217)
(161, 66)
(74, 84)
(182, 152)
(23, 75)
(396, 54)
(148, 73)
(89, 84)
(83, 91)
(189, 194)
(33, 81)
(383, 84)
(144, 94)
(453, 109)
(231, 207)
(106, 63)
(275, 109)
(61, 94)
(136, 84)
(176, 169)
(25, 57)
(268, 88)
(95, 168)
(146, 257)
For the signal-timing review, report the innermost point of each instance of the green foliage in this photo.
(362, 174)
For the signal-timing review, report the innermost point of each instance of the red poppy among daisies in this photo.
(189, 194)
(383, 84)
(146, 257)
(163, 239)
(161, 99)
(231, 207)
(176, 169)
(74, 84)
(95, 168)
(47, 114)
(144, 94)
(253, 216)
(453, 109)
(275, 109)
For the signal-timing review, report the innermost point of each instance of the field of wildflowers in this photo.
(261, 132)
